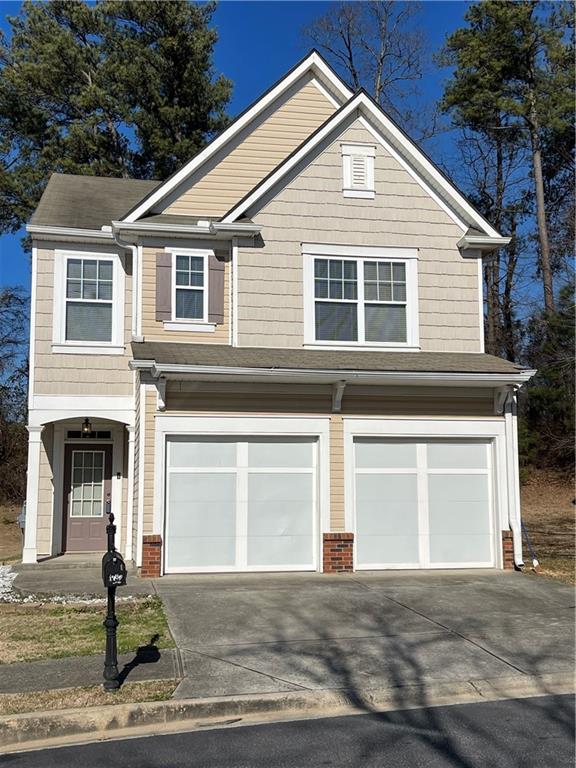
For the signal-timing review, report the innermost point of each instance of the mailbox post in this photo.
(113, 575)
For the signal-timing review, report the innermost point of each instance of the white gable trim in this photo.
(313, 62)
(362, 102)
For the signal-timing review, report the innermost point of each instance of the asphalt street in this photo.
(517, 733)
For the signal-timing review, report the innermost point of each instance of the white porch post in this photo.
(513, 474)
(29, 552)
(130, 499)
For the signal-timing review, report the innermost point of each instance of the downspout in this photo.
(135, 277)
(514, 518)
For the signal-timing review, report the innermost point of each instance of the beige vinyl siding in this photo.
(336, 473)
(137, 459)
(216, 397)
(312, 208)
(153, 330)
(149, 449)
(272, 137)
(45, 492)
(64, 374)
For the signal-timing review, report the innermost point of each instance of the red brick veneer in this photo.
(151, 557)
(337, 551)
(507, 550)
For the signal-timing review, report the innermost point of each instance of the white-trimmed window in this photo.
(88, 303)
(360, 296)
(189, 286)
(358, 170)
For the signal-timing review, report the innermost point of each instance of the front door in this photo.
(87, 488)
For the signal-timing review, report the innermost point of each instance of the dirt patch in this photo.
(549, 515)
(46, 631)
(10, 534)
(90, 696)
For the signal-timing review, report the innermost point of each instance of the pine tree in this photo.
(110, 89)
(512, 73)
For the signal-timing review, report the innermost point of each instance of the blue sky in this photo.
(258, 43)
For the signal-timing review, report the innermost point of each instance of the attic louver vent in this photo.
(358, 170)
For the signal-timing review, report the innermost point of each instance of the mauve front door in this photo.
(87, 487)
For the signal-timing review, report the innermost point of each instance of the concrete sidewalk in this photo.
(73, 671)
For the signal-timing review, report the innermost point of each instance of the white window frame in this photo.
(59, 343)
(361, 254)
(368, 153)
(190, 324)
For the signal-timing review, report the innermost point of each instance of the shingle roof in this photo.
(88, 202)
(220, 355)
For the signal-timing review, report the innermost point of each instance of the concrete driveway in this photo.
(258, 633)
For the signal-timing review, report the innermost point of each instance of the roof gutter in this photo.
(205, 229)
(210, 372)
(482, 242)
(45, 232)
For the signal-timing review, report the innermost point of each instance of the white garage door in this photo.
(240, 504)
(423, 504)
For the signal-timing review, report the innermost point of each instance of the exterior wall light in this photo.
(86, 427)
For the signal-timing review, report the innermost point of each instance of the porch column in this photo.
(29, 552)
(130, 499)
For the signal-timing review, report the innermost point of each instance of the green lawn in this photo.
(48, 631)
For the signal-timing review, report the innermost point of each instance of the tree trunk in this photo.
(545, 264)
(507, 307)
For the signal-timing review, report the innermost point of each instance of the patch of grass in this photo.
(10, 535)
(48, 631)
(90, 696)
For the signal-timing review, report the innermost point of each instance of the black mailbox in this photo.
(113, 570)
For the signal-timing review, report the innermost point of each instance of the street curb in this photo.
(58, 727)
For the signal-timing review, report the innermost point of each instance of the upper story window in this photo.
(88, 303)
(89, 291)
(189, 287)
(358, 170)
(360, 296)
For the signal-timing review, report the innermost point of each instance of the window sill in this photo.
(369, 194)
(88, 349)
(339, 345)
(195, 327)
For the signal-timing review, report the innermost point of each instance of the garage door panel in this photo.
(202, 453)
(202, 552)
(463, 548)
(270, 550)
(457, 456)
(387, 488)
(458, 488)
(392, 550)
(279, 504)
(448, 518)
(374, 455)
(288, 454)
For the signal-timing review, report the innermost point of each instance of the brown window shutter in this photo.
(163, 286)
(215, 290)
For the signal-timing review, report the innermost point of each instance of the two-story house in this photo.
(274, 359)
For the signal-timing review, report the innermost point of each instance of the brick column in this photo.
(507, 550)
(337, 552)
(151, 557)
